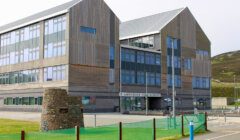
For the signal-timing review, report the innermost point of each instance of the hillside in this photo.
(225, 66)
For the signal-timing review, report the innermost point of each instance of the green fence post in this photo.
(154, 129)
(22, 135)
(77, 132)
(205, 123)
(120, 131)
(182, 118)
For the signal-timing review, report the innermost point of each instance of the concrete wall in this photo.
(219, 102)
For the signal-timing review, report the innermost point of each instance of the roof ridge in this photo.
(179, 9)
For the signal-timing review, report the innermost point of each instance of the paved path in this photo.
(89, 119)
(221, 131)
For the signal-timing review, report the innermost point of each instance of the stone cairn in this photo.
(60, 111)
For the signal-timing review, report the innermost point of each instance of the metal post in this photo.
(225, 118)
(235, 95)
(154, 129)
(146, 96)
(205, 123)
(173, 85)
(22, 135)
(77, 128)
(95, 120)
(120, 77)
(182, 117)
(191, 129)
(120, 131)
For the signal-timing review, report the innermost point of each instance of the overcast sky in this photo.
(220, 19)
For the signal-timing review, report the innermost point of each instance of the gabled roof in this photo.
(147, 25)
(61, 9)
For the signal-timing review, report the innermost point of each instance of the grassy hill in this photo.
(225, 66)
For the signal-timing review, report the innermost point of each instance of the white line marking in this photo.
(214, 138)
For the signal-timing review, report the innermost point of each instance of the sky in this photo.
(220, 19)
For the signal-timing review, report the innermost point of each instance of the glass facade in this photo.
(20, 45)
(54, 37)
(142, 42)
(136, 64)
(88, 30)
(27, 76)
(55, 73)
(201, 83)
(23, 101)
(202, 53)
(173, 43)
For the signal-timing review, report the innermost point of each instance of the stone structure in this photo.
(60, 111)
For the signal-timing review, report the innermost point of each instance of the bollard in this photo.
(120, 131)
(205, 123)
(154, 129)
(182, 118)
(191, 129)
(225, 118)
(77, 131)
(95, 120)
(22, 135)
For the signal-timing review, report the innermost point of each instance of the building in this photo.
(74, 46)
(146, 54)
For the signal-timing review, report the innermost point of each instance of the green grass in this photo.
(10, 130)
(14, 126)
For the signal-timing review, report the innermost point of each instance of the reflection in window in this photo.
(20, 45)
(27, 76)
(142, 42)
(55, 73)
(54, 37)
(201, 82)
(177, 80)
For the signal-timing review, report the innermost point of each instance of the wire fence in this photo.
(145, 130)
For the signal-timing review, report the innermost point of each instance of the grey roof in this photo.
(35, 17)
(147, 25)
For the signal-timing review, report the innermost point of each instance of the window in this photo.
(177, 80)
(128, 55)
(187, 64)
(54, 37)
(88, 30)
(201, 83)
(142, 42)
(177, 61)
(18, 77)
(128, 77)
(172, 41)
(151, 79)
(112, 56)
(158, 59)
(55, 73)
(150, 59)
(140, 57)
(158, 79)
(140, 78)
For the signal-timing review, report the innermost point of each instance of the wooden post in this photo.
(77, 131)
(154, 129)
(205, 123)
(22, 135)
(120, 131)
(182, 117)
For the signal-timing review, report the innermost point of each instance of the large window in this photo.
(23, 101)
(142, 42)
(18, 77)
(89, 30)
(56, 73)
(201, 83)
(20, 45)
(135, 65)
(54, 37)
(202, 53)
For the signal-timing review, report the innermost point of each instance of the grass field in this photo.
(14, 126)
(10, 130)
